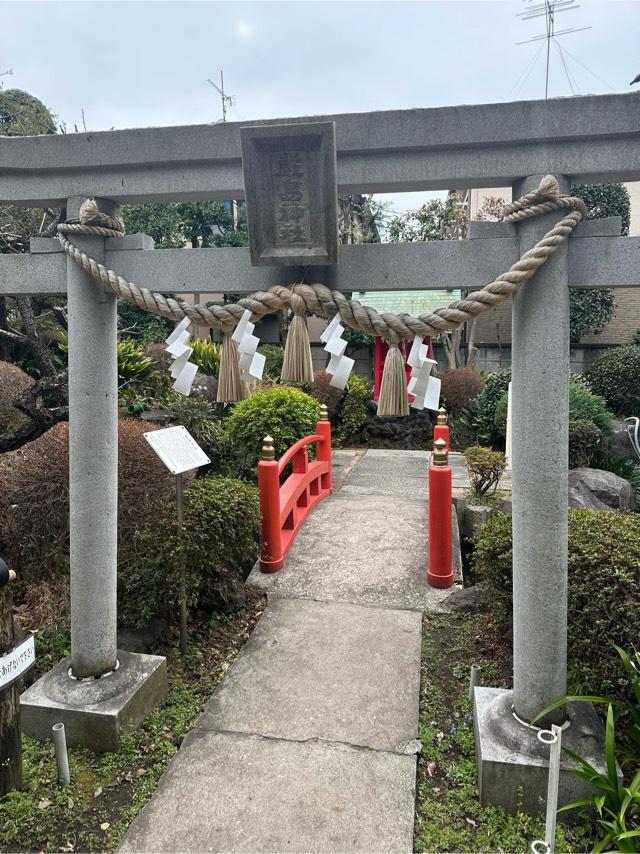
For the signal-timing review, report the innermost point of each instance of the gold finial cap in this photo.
(440, 455)
(442, 416)
(268, 451)
(324, 415)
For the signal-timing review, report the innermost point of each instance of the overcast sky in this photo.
(135, 64)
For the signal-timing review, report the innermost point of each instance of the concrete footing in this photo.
(513, 765)
(95, 712)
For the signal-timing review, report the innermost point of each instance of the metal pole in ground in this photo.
(184, 635)
(540, 396)
(10, 742)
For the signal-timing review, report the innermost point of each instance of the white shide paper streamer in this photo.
(251, 362)
(182, 370)
(424, 387)
(340, 366)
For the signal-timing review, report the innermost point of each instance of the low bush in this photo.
(459, 388)
(615, 375)
(584, 437)
(485, 469)
(585, 405)
(217, 547)
(34, 498)
(206, 355)
(285, 414)
(604, 595)
(274, 354)
(353, 412)
(325, 393)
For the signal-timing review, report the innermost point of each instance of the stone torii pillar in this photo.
(93, 458)
(512, 764)
(98, 691)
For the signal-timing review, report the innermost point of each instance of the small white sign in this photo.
(177, 449)
(15, 662)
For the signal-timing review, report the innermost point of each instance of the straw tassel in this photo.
(393, 402)
(231, 388)
(297, 366)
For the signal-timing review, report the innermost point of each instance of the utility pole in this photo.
(227, 100)
(549, 8)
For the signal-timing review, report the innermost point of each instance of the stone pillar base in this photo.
(95, 712)
(513, 765)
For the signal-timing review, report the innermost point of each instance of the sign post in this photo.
(180, 453)
(13, 663)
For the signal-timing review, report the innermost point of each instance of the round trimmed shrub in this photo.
(459, 388)
(285, 414)
(34, 498)
(584, 438)
(616, 376)
(604, 595)
(217, 546)
(584, 405)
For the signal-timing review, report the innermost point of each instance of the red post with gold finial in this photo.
(440, 569)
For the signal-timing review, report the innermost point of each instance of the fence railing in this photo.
(285, 506)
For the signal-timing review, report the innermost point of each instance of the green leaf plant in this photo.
(616, 807)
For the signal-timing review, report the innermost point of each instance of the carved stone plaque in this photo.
(291, 191)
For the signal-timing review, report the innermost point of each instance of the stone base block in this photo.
(95, 713)
(513, 766)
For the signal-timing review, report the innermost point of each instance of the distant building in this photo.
(493, 327)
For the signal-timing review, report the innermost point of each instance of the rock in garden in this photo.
(205, 387)
(600, 490)
(467, 598)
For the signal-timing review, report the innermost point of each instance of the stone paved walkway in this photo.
(309, 742)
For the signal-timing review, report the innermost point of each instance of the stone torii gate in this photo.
(587, 139)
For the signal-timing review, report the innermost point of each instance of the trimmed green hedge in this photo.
(285, 414)
(218, 545)
(604, 589)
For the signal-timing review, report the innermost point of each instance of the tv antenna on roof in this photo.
(227, 100)
(549, 8)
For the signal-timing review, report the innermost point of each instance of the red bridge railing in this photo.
(284, 507)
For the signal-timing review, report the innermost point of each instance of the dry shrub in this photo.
(43, 603)
(459, 388)
(325, 393)
(13, 382)
(34, 498)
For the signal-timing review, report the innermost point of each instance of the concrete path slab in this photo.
(366, 549)
(382, 472)
(227, 792)
(325, 670)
